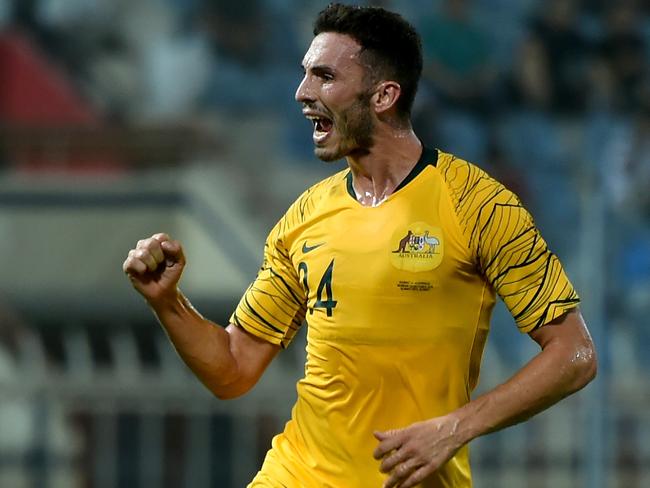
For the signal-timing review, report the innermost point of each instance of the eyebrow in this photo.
(320, 69)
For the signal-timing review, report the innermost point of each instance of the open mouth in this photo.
(322, 127)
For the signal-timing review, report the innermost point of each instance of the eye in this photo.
(323, 73)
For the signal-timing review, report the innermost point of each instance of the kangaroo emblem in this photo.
(404, 242)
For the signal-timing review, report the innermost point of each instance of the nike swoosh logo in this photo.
(306, 248)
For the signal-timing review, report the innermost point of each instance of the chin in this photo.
(335, 150)
(328, 155)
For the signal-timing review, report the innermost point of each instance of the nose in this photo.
(304, 93)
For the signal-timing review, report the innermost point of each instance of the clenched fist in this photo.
(155, 267)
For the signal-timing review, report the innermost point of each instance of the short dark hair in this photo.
(388, 43)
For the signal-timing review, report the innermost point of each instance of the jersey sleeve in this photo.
(508, 248)
(274, 305)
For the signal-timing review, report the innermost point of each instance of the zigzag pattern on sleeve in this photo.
(507, 247)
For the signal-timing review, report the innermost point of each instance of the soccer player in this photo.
(394, 263)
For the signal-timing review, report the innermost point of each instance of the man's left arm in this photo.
(565, 364)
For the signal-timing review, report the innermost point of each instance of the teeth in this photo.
(316, 120)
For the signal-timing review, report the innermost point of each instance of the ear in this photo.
(386, 95)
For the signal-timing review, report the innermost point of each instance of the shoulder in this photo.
(321, 190)
(315, 195)
(309, 201)
(477, 198)
(466, 180)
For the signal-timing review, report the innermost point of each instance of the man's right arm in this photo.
(229, 361)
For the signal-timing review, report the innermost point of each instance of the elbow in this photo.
(226, 384)
(585, 365)
(225, 395)
(228, 393)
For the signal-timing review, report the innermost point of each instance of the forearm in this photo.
(556, 372)
(228, 361)
(567, 362)
(204, 346)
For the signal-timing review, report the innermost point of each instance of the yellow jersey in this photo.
(397, 300)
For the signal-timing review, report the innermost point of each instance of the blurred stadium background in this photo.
(120, 118)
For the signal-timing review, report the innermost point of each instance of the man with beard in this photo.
(394, 337)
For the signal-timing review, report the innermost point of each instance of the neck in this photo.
(376, 174)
